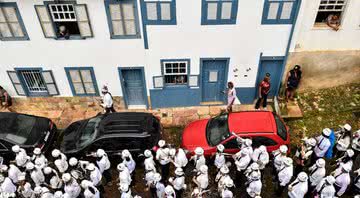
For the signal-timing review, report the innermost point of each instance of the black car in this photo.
(112, 132)
(27, 131)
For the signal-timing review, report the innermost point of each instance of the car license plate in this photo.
(47, 136)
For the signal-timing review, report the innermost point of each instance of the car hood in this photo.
(194, 135)
(70, 137)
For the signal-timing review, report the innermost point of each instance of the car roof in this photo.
(131, 123)
(252, 122)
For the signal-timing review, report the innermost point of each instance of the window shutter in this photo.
(76, 81)
(158, 81)
(116, 19)
(45, 21)
(50, 82)
(165, 11)
(16, 82)
(151, 10)
(129, 18)
(273, 10)
(13, 21)
(4, 28)
(212, 11)
(88, 81)
(83, 20)
(226, 10)
(286, 10)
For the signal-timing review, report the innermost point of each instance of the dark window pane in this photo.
(56, 15)
(67, 16)
(330, 7)
(182, 70)
(175, 70)
(59, 8)
(61, 15)
(183, 65)
(72, 15)
(65, 8)
(168, 71)
(53, 8)
(71, 8)
(167, 65)
(338, 7)
(258, 141)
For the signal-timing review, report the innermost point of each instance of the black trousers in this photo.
(280, 189)
(107, 175)
(165, 172)
(110, 110)
(153, 192)
(263, 99)
(179, 193)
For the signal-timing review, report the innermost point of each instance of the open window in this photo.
(328, 8)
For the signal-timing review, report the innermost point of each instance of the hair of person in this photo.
(231, 84)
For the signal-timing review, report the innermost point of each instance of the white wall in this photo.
(242, 43)
(310, 38)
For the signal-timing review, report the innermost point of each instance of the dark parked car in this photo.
(27, 131)
(112, 132)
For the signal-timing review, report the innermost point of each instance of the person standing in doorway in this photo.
(5, 99)
(107, 100)
(292, 82)
(231, 97)
(264, 89)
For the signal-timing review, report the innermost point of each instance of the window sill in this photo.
(70, 38)
(323, 27)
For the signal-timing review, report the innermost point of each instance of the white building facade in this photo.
(166, 53)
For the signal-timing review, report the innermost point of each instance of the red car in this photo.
(263, 127)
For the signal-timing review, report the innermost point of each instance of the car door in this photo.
(270, 143)
(231, 145)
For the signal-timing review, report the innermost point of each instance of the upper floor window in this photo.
(11, 24)
(160, 12)
(217, 12)
(82, 81)
(122, 18)
(329, 8)
(64, 20)
(279, 11)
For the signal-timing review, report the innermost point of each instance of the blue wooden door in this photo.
(213, 80)
(273, 67)
(133, 86)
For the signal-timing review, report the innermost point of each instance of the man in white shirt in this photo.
(254, 184)
(242, 160)
(284, 175)
(21, 157)
(71, 187)
(178, 182)
(107, 100)
(202, 180)
(95, 177)
(219, 156)
(342, 179)
(299, 187)
(317, 173)
(90, 191)
(163, 156)
(325, 189)
(322, 146)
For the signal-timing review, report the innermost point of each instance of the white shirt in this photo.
(73, 189)
(221, 179)
(124, 177)
(40, 161)
(278, 161)
(55, 181)
(107, 100)
(179, 182)
(342, 180)
(219, 160)
(203, 181)
(285, 175)
(162, 156)
(254, 188)
(21, 158)
(343, 144)
(8, 186)
(130, 165)
(199, 162)
(37, 176)
(298, 189)
(26, 191)
(323, 144)
(103, 163)
(262, 158)
(61, 164)
(180, 158)
(243, 162)
(160, 190)
(226, 193)
(149, 164)
(13, 173)
(327, 192)
(95, 176)
(47, 195)
(356, 144)
(316, 176)
(89, 194)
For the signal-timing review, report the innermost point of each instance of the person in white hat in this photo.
(279, 157)
(60, 161)
(128, 160)
(77, 168)
(58, 194)
(342, 179)
(124, 174)
(45, 193)
(13, 172)
(39, 159)
(103, 162)
(36, 174)
(180, 158)
(242, 160)
(95, 176)
(163, 157)
(199, 158)
(170, 192)
(150, 183)
(219, 156)
(254, 184)
(303, 154)
(245, 144)
(89, 190)
(107, 100)
(24, 187)
(7, 186)
(198, 193)
(178, 182)
(261, 156)
(299, 187)
(347, 158)
(322, 146)
(149, 162)
(226, 192)
(202, 179)
(125, 191)
(325, 189)
(317, 173)
(285, 174)
(254, 167)
(52, 178)
(343, 140)
(21, 158)
(221, 177)
(159, 186)
(71, 187)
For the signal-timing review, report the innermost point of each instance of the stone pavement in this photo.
(65, 110)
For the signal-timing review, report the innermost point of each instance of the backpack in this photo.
(329, 152)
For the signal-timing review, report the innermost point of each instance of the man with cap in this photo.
(285, 174)
(222, 176)
(125, 191)
(52, 178)
(342, 179)
(7, 187)
(107, 100)
(299, 187)
(39, 159)
(160, 187)
(317, 173)
(254, 184)
(163, 157)
(13, 172)
(356, 143)
(219, 156)
(45, 193)
(254, 167)
(149, 162)
(199, 158)
(103, 162)
(36, 174)
(89, 190)
(95, 176)
(71, 187)
(245, 144)
(60, 161)
(170, 192)
(178, 182)
(128, 160)
(180, 158)
(304, 153)
(242, 160)
(24, 188)
(124, 174)
(322, 146)
(261, 157)
(59, 194)
(279, 157)
(226, 192)
(325, 189)
(21, 157)
(347, 158)
(343, 140)
(202, 179)
(77, 168)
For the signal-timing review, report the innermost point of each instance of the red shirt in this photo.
(265, 87)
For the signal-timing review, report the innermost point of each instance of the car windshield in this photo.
(21, 129)
(89, 133)
(217, 129)
(281, 129)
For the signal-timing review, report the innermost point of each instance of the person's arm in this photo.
(287, 78)
(260, 90)
(6, 96)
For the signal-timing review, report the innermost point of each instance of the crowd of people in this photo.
(33, 176)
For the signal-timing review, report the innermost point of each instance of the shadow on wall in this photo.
(323, 69)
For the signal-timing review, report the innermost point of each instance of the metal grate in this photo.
(332, 5)
(62, 12)
(34, 81)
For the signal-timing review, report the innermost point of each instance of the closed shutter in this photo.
(158, 81)
(4, 28)
(116, 19)
(83, 20)
(212, 11)
(286, 10)
(151, 10)
(165, 11)
(13, 21)
(50, 82)
(273, 10)
(88, 81)
(76, 81)
(226, 10)
(129, 18)
(16, 82)
(45, 21)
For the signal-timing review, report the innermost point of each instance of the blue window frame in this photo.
(219, 12)
(279, 11)
(11, 24)
(159, 12)
(123, 19)
(82, 81)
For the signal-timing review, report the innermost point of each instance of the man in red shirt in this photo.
(264, 89)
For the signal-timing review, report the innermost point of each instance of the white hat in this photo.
(66, 177)
(30, 166)
(37, 190)
(85, 184)
(288, 161)
(169, 189)
(320, 163)
(204, 169)
(55, 153)
(147, 153)
(220, 148)
(44, 190)
(47, 170)
(58, 194)
(4, 168)
(179, 171)
(330, 179)
(172, 152)
(124, 187)
(347, 127)
(37, 151)
(125, 153)
(228, 182)
(346, 167)
(157, 177)
(302, 177)
(100, 153)
(311, 142)
(21, 176)
(15, 148)
(254, 166)
(90, 167)
(248, 142)
(283, 149)
(121, 167)
(244, 152)
(262, 148)
(73, 161)
(224, 169)
(255, 175)
(161, 143)
(326, 132)
(199, 151)
(350, 152)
